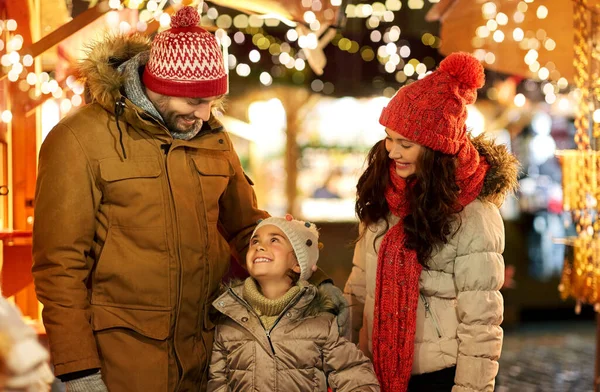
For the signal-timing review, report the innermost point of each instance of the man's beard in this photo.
(186, 133)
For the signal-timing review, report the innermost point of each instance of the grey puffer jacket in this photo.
(302, 351)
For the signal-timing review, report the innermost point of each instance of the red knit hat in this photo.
(186, 61)
(432, 111)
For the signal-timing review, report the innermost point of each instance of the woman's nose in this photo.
(395, 152)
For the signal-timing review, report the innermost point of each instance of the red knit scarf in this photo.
(397, 287)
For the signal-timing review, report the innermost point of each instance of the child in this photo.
(278, 332)
(23, 361)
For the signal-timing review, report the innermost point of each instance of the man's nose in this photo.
(202, 112)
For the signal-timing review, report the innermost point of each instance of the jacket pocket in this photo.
(132, 270)
(153, 324)
(214, 172)
(431, 316)
(133, 191)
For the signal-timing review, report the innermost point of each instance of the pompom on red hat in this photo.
(432, 111)
(186, 60)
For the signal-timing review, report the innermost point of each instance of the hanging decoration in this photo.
(581, 190)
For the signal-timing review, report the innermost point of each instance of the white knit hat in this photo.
(304, 238)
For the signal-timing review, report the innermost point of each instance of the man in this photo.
(140, 200)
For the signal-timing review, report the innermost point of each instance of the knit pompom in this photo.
(465, 68)
(185, 17)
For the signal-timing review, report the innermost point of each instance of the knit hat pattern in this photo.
(304, 238)
(186, 60)
(432, 111)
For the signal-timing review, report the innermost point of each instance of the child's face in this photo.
(270, 255)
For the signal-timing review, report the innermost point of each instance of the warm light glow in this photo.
(543, 73)
(309, 17)
(482, 31)
(520, 100)
(502, 19)
(518, 34)
(531, 56)
(490, 58)
(165, 20)
(562, 83)
(300, 64)
(409, 70)
(6, 116)
(254, 56)
(488, 10)
(542, 12)
(266, 79)
(76, 100)
(243, 69)
(31, 78)
(404, 51)
(114, 4)
(519, 17)
(550, 44)
(498, 36)
(11, 25)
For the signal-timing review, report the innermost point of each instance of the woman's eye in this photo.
(406, 146)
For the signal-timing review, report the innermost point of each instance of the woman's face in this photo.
(403, 152)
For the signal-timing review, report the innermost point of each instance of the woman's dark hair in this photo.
(433, 198)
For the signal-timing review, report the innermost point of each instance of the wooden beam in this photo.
(63, 32)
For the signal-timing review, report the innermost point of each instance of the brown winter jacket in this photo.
(129, 251)
(302, 351)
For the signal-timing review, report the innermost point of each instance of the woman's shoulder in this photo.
(480, 208)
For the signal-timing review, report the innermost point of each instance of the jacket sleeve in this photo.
(217, 372)
(66, 201)
(238, 209)
(479, 274)
(349, 370)
(355, 290)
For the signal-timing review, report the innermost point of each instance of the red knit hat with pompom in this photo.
(186, 60)
(432, 111)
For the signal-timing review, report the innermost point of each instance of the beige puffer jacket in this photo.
(460, 306)
(302, 351)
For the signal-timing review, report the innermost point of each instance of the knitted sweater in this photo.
(267, 309)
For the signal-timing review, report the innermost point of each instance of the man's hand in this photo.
(336, 295)
(91, 383)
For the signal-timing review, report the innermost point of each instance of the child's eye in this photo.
(274, 239)
(254, 242)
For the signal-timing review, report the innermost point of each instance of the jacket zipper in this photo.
(178, 256)
(268, 331)
(430, 312)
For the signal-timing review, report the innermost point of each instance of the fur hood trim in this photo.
(99, 68)
(501, 178)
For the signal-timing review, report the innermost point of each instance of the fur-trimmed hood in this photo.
(100, 68)
(501, 178)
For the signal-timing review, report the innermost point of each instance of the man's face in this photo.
(182, 116)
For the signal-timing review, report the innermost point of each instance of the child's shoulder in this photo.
(321, 304)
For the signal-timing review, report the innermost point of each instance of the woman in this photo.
(428, 264)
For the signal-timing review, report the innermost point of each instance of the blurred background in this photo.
(308, 80)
